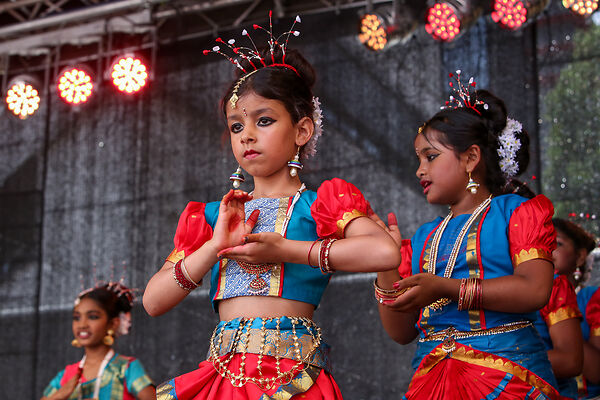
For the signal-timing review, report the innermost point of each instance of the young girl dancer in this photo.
(265, 285)
(474, 279)
(570, 260)
(100, 314)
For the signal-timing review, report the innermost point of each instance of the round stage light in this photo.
(129, 74)
(509, 14)
(75, 86)
(22, 99)
(442, 22)
(584, 8)
(373, 32)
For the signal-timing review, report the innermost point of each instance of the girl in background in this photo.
(100, 314)
(269, 254)
(473, 280)
(572, 260)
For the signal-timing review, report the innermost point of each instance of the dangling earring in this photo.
(295, 164)
(237, 177)
(577, 274)
(472, 185)
(108, 339)
(75, 343)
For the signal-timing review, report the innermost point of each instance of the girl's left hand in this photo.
(264, 247)
(422, 290)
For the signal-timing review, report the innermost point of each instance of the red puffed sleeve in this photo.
(531, 233)
(592, 314)
(192, 231)
(562, 304)
(405, 268)
(338, 203)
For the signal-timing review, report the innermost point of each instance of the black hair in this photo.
(463, 127)
(580, 237)
(113, 298)
(518, 187)
(292, 88)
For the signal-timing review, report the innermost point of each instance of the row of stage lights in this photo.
(445, 20)
(75, 85)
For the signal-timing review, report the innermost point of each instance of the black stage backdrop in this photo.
(85, 189)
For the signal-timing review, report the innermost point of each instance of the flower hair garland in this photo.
(509, 145)
(310, 148)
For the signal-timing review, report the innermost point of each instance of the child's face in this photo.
(441, 173)
(263, 137)
(90, 323)
(565, 255)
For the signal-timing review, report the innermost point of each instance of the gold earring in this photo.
(295, 164)
(472, 185)
(108, 339)
(75, 343)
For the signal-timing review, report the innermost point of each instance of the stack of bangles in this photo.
(182, 276)
(382, 294)
(470, 296)
(324, 249)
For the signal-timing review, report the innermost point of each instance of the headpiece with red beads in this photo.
(463, 96)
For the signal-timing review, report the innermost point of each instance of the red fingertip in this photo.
(392, 220)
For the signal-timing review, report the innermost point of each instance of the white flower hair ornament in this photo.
(124, 323)
(310, 148)
(509, 144)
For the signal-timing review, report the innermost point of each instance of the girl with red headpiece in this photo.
(473, 280)
(269, 254)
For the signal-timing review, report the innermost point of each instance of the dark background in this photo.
(95, 192)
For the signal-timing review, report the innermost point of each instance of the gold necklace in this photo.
(435, 244)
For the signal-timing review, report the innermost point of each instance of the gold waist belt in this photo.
(449, 335)
(301, 343)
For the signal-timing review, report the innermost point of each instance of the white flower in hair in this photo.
(509, 145)
(310, 148)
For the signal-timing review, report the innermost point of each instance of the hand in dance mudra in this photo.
(231, 226)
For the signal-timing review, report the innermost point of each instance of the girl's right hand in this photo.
(231, 224)
(67, 389)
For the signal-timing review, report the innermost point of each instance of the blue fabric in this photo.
(523, 346)
(300, 281)
(583, 298)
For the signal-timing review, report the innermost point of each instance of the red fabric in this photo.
(592, 311)
(453, 379)
(70, 371)
(563, 297)
(531, 227)
(405, 268)
(192, 230)
(205, 383)
(335, 198)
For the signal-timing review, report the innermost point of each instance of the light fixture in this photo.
(584, 8)
(22, 97)
(129, 74)
(446, 20)
(387, 26)
(509, 14)
(75, 85)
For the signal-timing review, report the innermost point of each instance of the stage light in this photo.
(129, 74)
(386, 27)
(509, 14)
(22, 98)
(446, 20)
(584, 8)
(442, 22)
(75, 85)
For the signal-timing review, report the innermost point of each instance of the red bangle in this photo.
(309, 251)
(180, 278)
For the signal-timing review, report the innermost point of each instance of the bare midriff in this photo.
(264, 307)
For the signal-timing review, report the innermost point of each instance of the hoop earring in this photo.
(472, 185)
(237, 177)
(108, 339)
(295, 164)
(75, 343)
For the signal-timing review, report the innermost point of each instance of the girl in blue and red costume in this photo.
(269, 254)
(572, 261)
(100, 314)
(473, 280)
